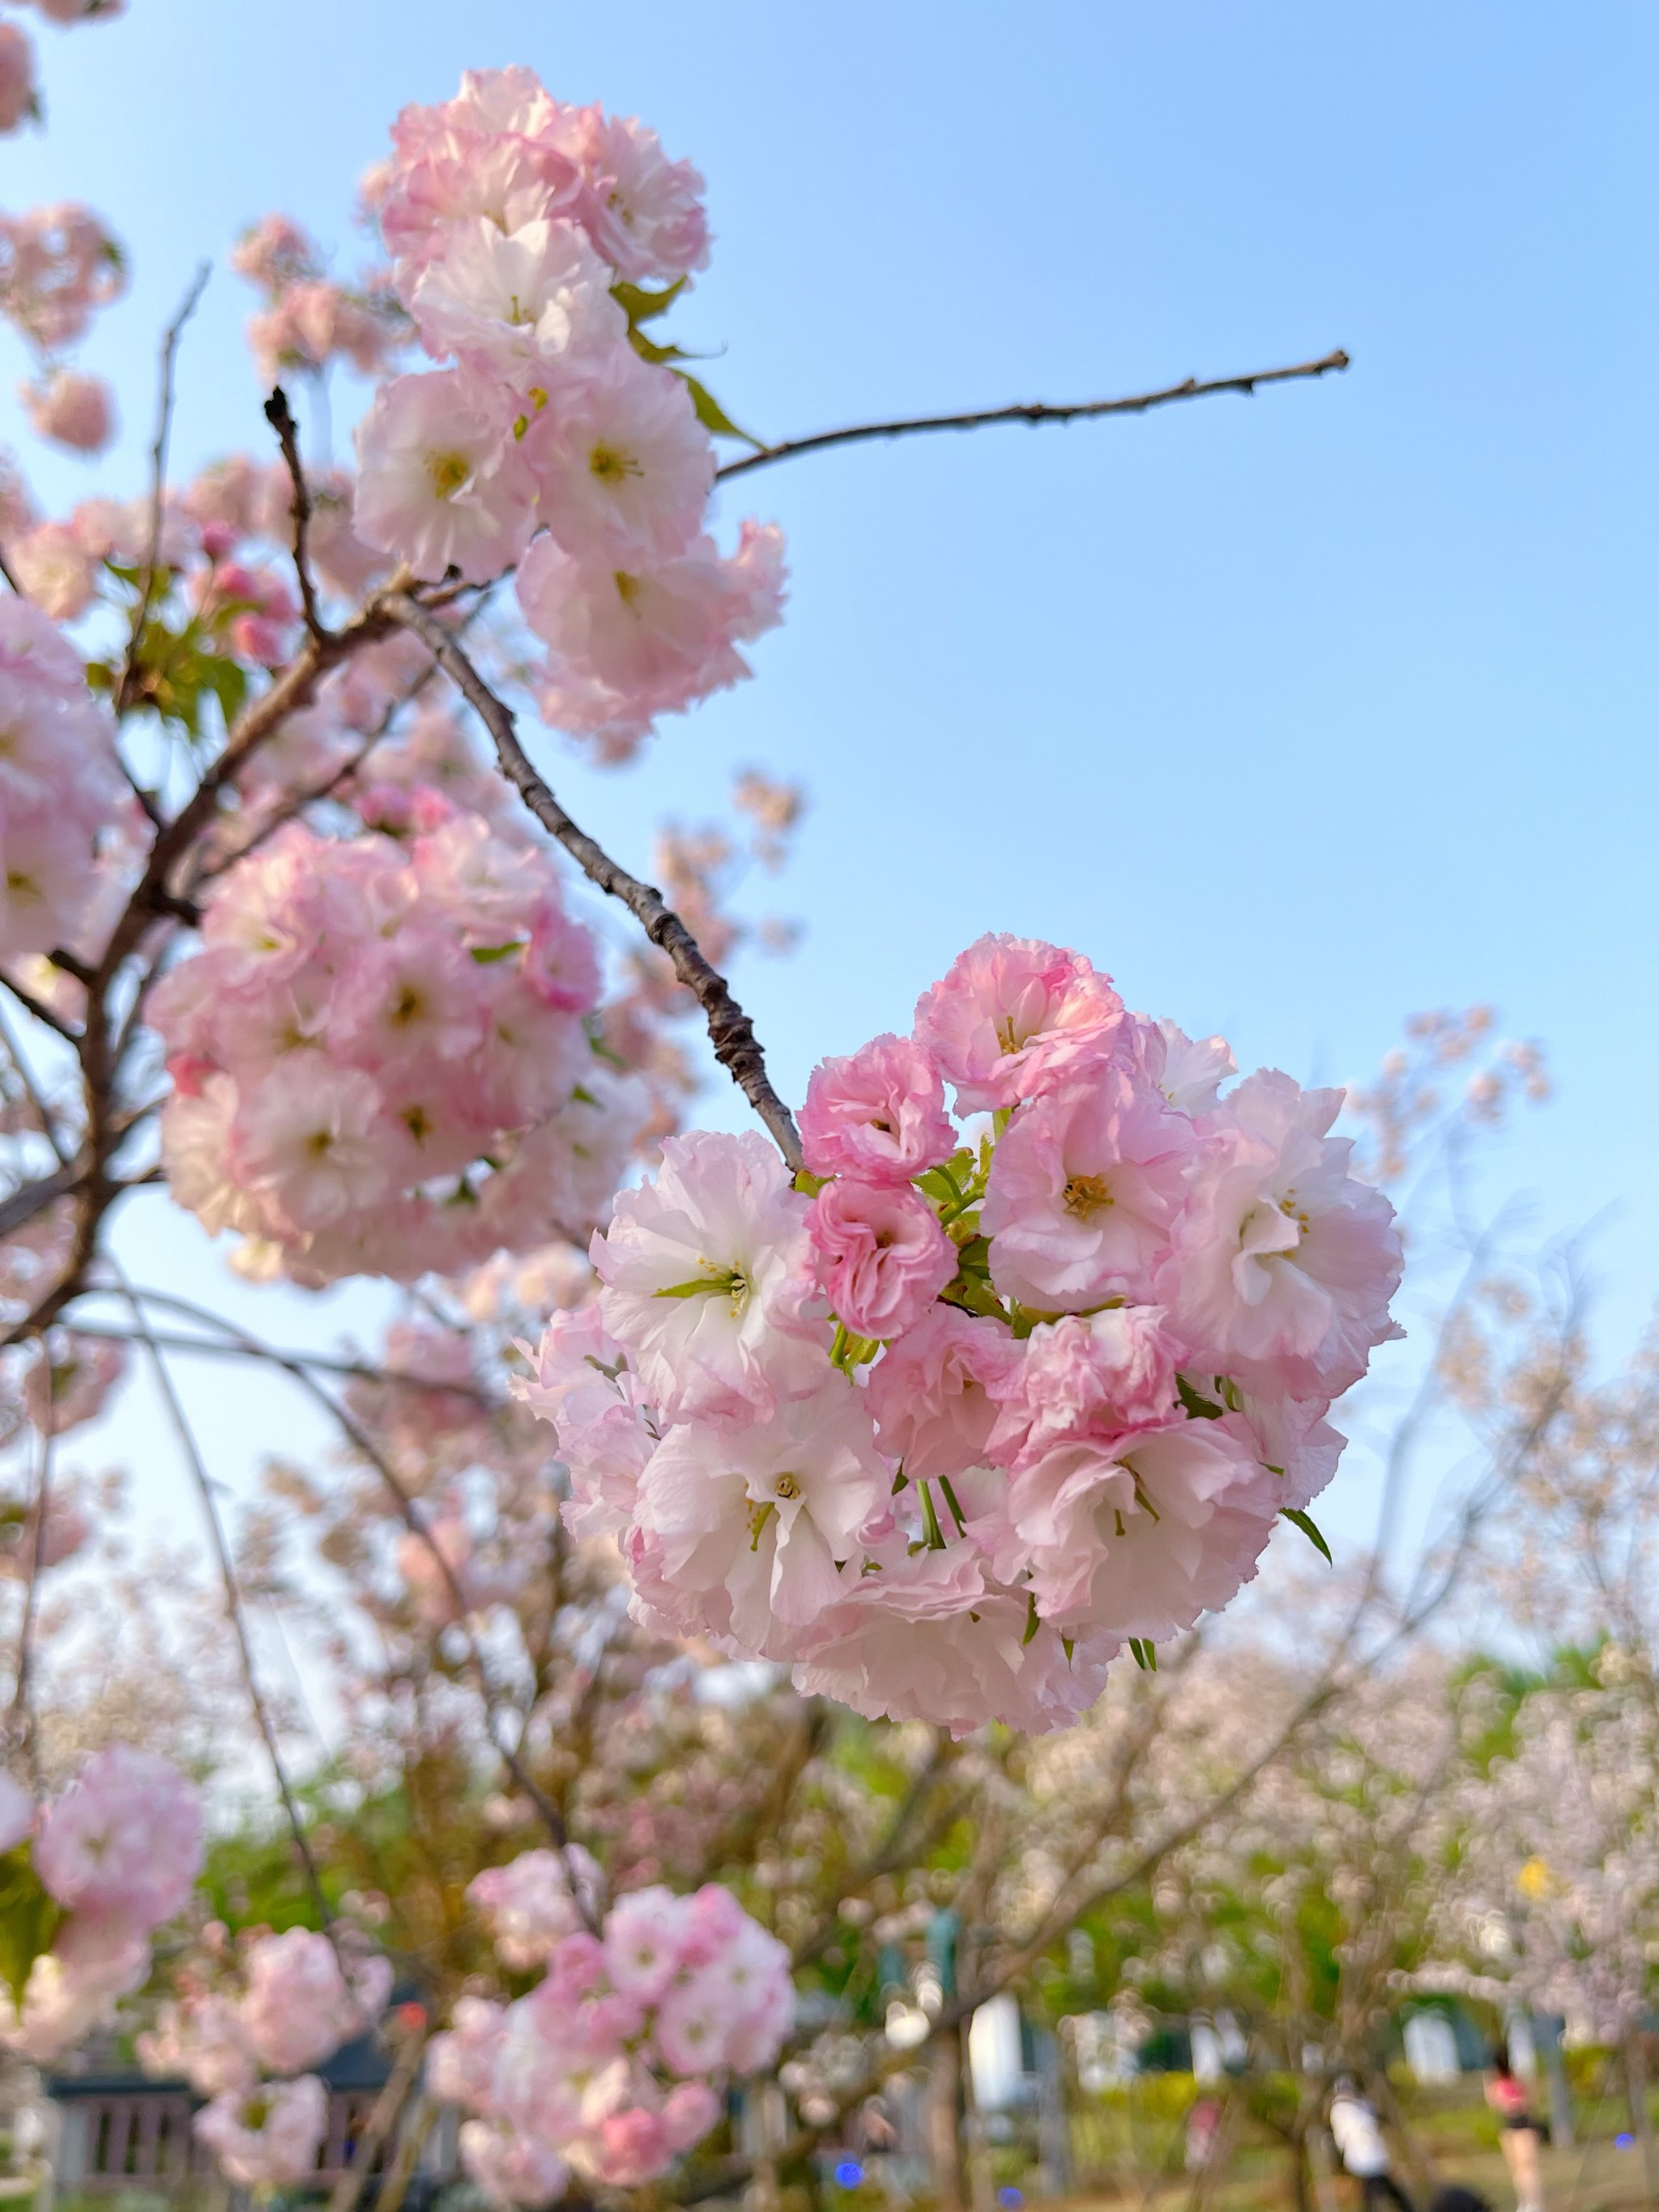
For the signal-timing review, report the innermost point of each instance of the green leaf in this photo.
(1146, 1654)
(1033, 1619)
(656, 355)
(484, 954)
(28, 1919)
(1200, 1409)
(642, 307)
(1310, 1528)
(713, 417)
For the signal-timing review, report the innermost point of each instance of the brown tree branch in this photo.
(730, 1030)
(280, 416)
(1034, 412)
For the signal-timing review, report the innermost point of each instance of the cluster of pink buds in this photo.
(113, 1857)
(952, 1418)
(523, 231)
(607, 2069)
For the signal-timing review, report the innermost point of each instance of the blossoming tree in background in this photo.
(994, 1375)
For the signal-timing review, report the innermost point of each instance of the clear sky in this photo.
(1296, 713)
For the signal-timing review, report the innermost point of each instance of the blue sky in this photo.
(1297, 713)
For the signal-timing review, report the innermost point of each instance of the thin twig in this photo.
(36, 1097)
(37, 1011)
(6, 571)
(409, 1514)
(233, 1606)
(281, 419)
(730, 1030)
(21, 1702)
(357, 1370)
(32, 1198)
(124, 689)
(1033, 412)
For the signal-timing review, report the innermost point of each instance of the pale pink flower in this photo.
(18, 97)
(627, 2149)
(298, 2010)
(581, 1385)
(202, 2037)
(511, 2168)
(741, 1532)
(930, 1637)
(461, 2062)
(439, 481)
(416, 996)
(315, 1138)
(626, 645)
(73, 1988)
(1189, 1073)
(934, 1391)
(521, 307)
(625, 468)
(878, 1114)
(528, 1904)
(1141, 1535)
(882, 1257)
(59, 266)
(561, 963)
(123, 1840)
(54, 571)
(1101, 1375)
(71, 410)
(702, 1268)
(1085, 1191)
(643, 1935)
(267, 2137)
(689, 2110)
(645, 212)
(1012, 1017)
(1283, 1267)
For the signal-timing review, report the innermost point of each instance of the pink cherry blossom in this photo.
(511, 2169)
(1284, 1266)
(72, 409)
(1141, 1535)
(934, 1392)
(643, 1936)
(124, 1839)
(438, 483)
(878, 1114)
(625, 468)
(882, 1257)
(18, 97)
(528, 1903)
(741, 1532)
(626, 645)
(1112, 1372)
(645, 212)
(299, 2009)
(1084, 1192)
(268, 2136)
(1012, 1017)
(519, 307)
(706, 1273)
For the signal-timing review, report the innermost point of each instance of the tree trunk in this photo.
(945, 2118)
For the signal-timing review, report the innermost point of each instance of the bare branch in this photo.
(22, 1204)
(125, 689)
(281, 419)
(357, 1370)
(1034, 412)
(234, 1607)
(730, 1030)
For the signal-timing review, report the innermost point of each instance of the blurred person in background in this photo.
(1358, 2135)
(1519, 2132)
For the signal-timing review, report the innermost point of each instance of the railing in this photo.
(142, 2140)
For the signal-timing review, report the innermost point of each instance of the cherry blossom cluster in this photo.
(20, 97)
(558, 438)
(382, 1057)
(68, 821)
(607, 2068)
(248, 2023)
(948, 1421)
(110, 1859)
(308, 319)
